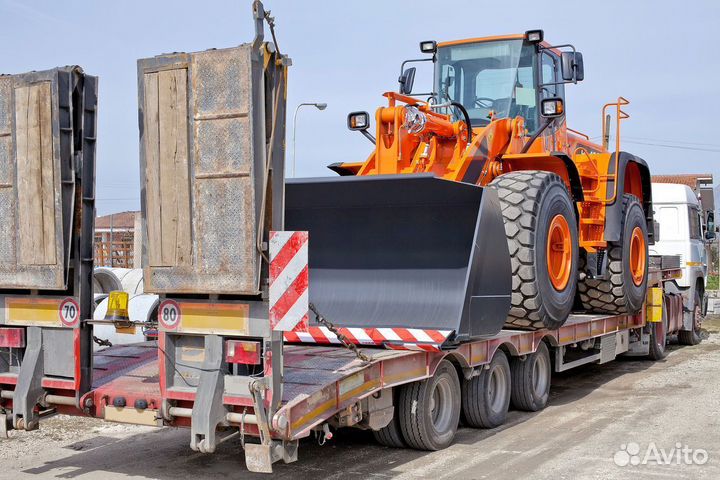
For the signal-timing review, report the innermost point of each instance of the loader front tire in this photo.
(542, 238)
(624, 291)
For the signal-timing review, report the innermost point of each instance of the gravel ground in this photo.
(598, 416)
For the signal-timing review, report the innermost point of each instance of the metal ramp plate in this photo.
(202, 160)
(36, 177)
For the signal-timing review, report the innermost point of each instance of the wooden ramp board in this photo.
(202, 151)
(36, 144)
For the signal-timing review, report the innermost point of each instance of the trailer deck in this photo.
(320, 381)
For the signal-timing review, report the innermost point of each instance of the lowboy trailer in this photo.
(281, 315)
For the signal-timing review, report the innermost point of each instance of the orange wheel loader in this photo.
(413, 236)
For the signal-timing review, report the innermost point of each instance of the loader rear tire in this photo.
(542, 237)
(429, 410)
(486, 397)
(626, 287)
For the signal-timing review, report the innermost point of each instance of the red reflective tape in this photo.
(286, 253)
(302, 325)
(436, 335)
(288, 299)
(404, 335)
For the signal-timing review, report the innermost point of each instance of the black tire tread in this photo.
(519, 195)
(520, 395)
(608, 296)
(691, 337)
(390, 435)
(473, 402)
(411, 424)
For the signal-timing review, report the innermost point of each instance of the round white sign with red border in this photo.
(69, 312)
(169, 314)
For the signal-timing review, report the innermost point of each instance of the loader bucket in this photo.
(404, 251)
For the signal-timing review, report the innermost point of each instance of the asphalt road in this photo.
(600, 422)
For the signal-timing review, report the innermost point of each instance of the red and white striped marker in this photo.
(289, 281)
(394, 338)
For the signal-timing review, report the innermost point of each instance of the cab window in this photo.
(695, 224)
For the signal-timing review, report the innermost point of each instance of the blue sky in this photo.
(661, 55)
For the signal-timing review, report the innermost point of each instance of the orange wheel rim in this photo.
(637, 256)
(559, 252)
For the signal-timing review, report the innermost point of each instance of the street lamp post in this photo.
(319, 106)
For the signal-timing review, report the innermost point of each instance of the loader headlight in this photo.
(428, 46)
(358, 121)
(415, 120)
(534, 36)
(552, 107)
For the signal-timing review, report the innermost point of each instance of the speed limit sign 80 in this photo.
(169, 314)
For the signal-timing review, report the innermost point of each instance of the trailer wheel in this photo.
(391, 435)
(531, 380)
(692, 337)
(625, 289)
(429, 410)
(658, 337)
(542, 238)
(486, 397)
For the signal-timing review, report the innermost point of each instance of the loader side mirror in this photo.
(406, 81)
(572, 67)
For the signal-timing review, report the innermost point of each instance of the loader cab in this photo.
(500, 77)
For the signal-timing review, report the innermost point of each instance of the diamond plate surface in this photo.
(222, 80)
(223, 146)
(222, 135)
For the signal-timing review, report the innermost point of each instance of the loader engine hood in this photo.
(404, 251)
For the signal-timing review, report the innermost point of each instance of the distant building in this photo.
(116, 242)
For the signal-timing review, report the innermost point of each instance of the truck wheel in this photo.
(542, 238)
(531, 380)
(429, 410)
(390, 435)
(658, 337)
(486, 397)
(625, 290)
(692, 337)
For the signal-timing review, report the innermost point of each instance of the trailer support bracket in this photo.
(29, 390)
(208, 411)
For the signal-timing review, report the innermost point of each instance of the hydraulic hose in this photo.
(467, 119)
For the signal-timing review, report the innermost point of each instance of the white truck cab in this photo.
(683, 232)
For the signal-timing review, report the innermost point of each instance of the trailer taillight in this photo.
(12, 337)
(241, 351)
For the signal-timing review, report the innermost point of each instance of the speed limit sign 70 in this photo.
(69, 312)
(169, 314)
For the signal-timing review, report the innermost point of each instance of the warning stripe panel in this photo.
(289, 295)
(394, 338)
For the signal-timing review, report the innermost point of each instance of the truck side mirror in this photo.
(711, 229)
(406, 81)
(572, 67)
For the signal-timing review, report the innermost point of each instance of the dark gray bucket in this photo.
(410, 251)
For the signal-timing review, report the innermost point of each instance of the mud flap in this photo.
(408, 251)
